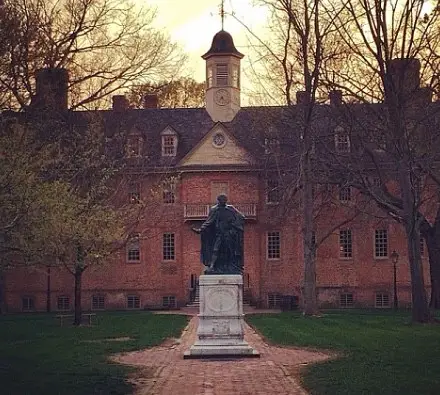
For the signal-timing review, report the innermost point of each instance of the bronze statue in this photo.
(222, 239)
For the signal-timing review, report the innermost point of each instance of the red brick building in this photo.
(195, 154)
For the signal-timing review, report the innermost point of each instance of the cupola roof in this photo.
(222, 44)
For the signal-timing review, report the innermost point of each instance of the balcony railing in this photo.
(200, 211)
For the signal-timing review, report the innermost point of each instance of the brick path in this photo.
(167, 373)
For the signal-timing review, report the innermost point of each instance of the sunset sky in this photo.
(193, 23)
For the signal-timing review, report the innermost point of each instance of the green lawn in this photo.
(383, 353)
(37, 356)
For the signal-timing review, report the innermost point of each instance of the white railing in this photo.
(197, 211)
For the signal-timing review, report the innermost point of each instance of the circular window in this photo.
(219, 140)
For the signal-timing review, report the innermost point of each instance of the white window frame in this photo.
(381, 243)
(134, 301)
(133, 245)
(342, 141)
(273, 252)
(346, 300)
(169, 247)
(345, 194)
(345, 244)
(382, 300)
(61, 301)
(167, 136)
(98, 298)
(134, 146)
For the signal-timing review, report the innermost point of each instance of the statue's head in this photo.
(222, 199)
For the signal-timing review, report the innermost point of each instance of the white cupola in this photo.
(222, 78)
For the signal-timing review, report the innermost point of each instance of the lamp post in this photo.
(394, 259)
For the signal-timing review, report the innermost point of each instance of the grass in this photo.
(381, 353)
(37, 356)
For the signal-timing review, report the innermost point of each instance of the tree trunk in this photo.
(48, 291)
(433, 246)
(310, 298)
(420, 309)
(78, 312)
(2, 296)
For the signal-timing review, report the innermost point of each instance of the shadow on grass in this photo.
(37, 356)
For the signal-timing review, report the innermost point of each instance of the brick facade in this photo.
(348, 272)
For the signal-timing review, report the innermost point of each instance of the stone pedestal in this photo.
(221, 320)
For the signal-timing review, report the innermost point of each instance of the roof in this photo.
(222, 44)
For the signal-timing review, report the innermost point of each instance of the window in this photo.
(28, 303)
(98, 302)
(169, 145)
(382, 300)
(346, 300)
(271, 146)
(134, 146)
(345, 244)
(222, 74)
(63, 303)
(342, 140)
(376, 182)
(380, 243)
(169, 250)
(133, 249)
(209, 78)
(273, 300)
(273, 245)
(273, 192)
(422, 246)
(169, 302)
(168, 193)
(133, 302)
(344, 194)
(235, 76)
(134, 192)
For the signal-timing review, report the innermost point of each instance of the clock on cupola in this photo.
(222, 78)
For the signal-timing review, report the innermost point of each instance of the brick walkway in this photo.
(165, 372)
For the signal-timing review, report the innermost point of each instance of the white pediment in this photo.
(218, 147)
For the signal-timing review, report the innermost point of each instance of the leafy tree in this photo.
(182, 92)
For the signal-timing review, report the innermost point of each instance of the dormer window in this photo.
(134, 146)
(271, 146)
(342, 140)
(169, 142)
(222, 74)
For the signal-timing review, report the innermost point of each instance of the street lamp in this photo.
(394, 259)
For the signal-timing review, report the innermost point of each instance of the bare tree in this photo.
(385, 38)
(106, 45)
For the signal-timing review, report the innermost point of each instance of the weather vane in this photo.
(222, 13)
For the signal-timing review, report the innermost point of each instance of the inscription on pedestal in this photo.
(221, 327)
(220, 300)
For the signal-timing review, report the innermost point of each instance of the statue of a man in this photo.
(222, 239)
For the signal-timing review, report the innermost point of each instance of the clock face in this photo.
(222, 97)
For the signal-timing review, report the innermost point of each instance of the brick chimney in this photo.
(151, 100)
(335, 97)
(405, 75)
(120, 103)
(51, 89)
(302, 97)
